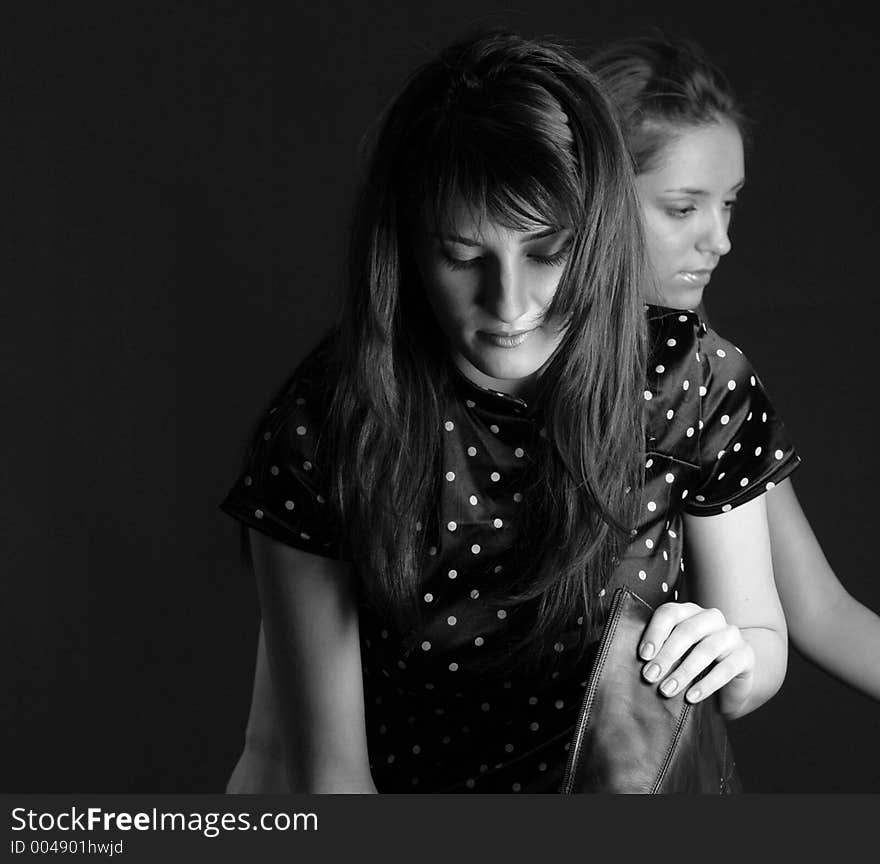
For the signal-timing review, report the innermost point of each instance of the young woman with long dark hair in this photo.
(497, 436)
(684, 129)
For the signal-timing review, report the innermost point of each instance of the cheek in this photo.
(448, 293)
(665, 246)
(546, 285)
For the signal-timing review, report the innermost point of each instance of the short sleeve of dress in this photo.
(744, 446)
(283, 490)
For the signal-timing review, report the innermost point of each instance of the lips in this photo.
(507, 333)
(696, 277)
(505, 339)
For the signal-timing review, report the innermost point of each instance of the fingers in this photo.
(664, 619)
(734, 671)
(682, 640)
(718, 646)
(674, 628)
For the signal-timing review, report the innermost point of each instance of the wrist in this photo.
(765, 678)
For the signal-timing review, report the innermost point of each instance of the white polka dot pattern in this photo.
(705, 457)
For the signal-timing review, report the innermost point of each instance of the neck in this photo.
(525, 389)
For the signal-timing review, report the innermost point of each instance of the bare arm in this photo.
(735, 630)
(732, 572)
(741, 624)
(827, 624)
(261, 768)
(310, 620)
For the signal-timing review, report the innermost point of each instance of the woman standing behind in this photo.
(450, 490)
(684, 131)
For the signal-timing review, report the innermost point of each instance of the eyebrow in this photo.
(697, 192)
(549, 231)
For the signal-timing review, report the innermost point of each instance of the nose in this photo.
(504, 291)
(716, 240)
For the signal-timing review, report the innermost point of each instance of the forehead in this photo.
(709, 158)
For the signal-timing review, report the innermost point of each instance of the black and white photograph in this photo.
(455, 399)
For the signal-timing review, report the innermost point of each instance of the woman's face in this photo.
(489, 287)
(687, 201)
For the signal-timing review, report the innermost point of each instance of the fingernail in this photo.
(693, 695)
(669, 686)
(652, 673)
(646, 651)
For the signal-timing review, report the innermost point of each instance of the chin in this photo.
(506, 365)
(508, 370)
(681, 298)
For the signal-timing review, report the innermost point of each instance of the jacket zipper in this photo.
(577, 740)
(667, 761)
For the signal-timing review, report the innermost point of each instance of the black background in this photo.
(176, 183)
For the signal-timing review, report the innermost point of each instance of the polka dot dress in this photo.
(443, 711)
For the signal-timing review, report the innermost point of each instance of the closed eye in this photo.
(454, 263)
(460, 263)
(551, 260)
(555, 259)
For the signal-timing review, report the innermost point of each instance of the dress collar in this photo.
(503, 403)
(665, 313)
(655, 312)
(489, 399)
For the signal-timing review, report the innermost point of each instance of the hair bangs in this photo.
(514, 167)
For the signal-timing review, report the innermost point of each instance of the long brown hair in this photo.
(520, 130)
